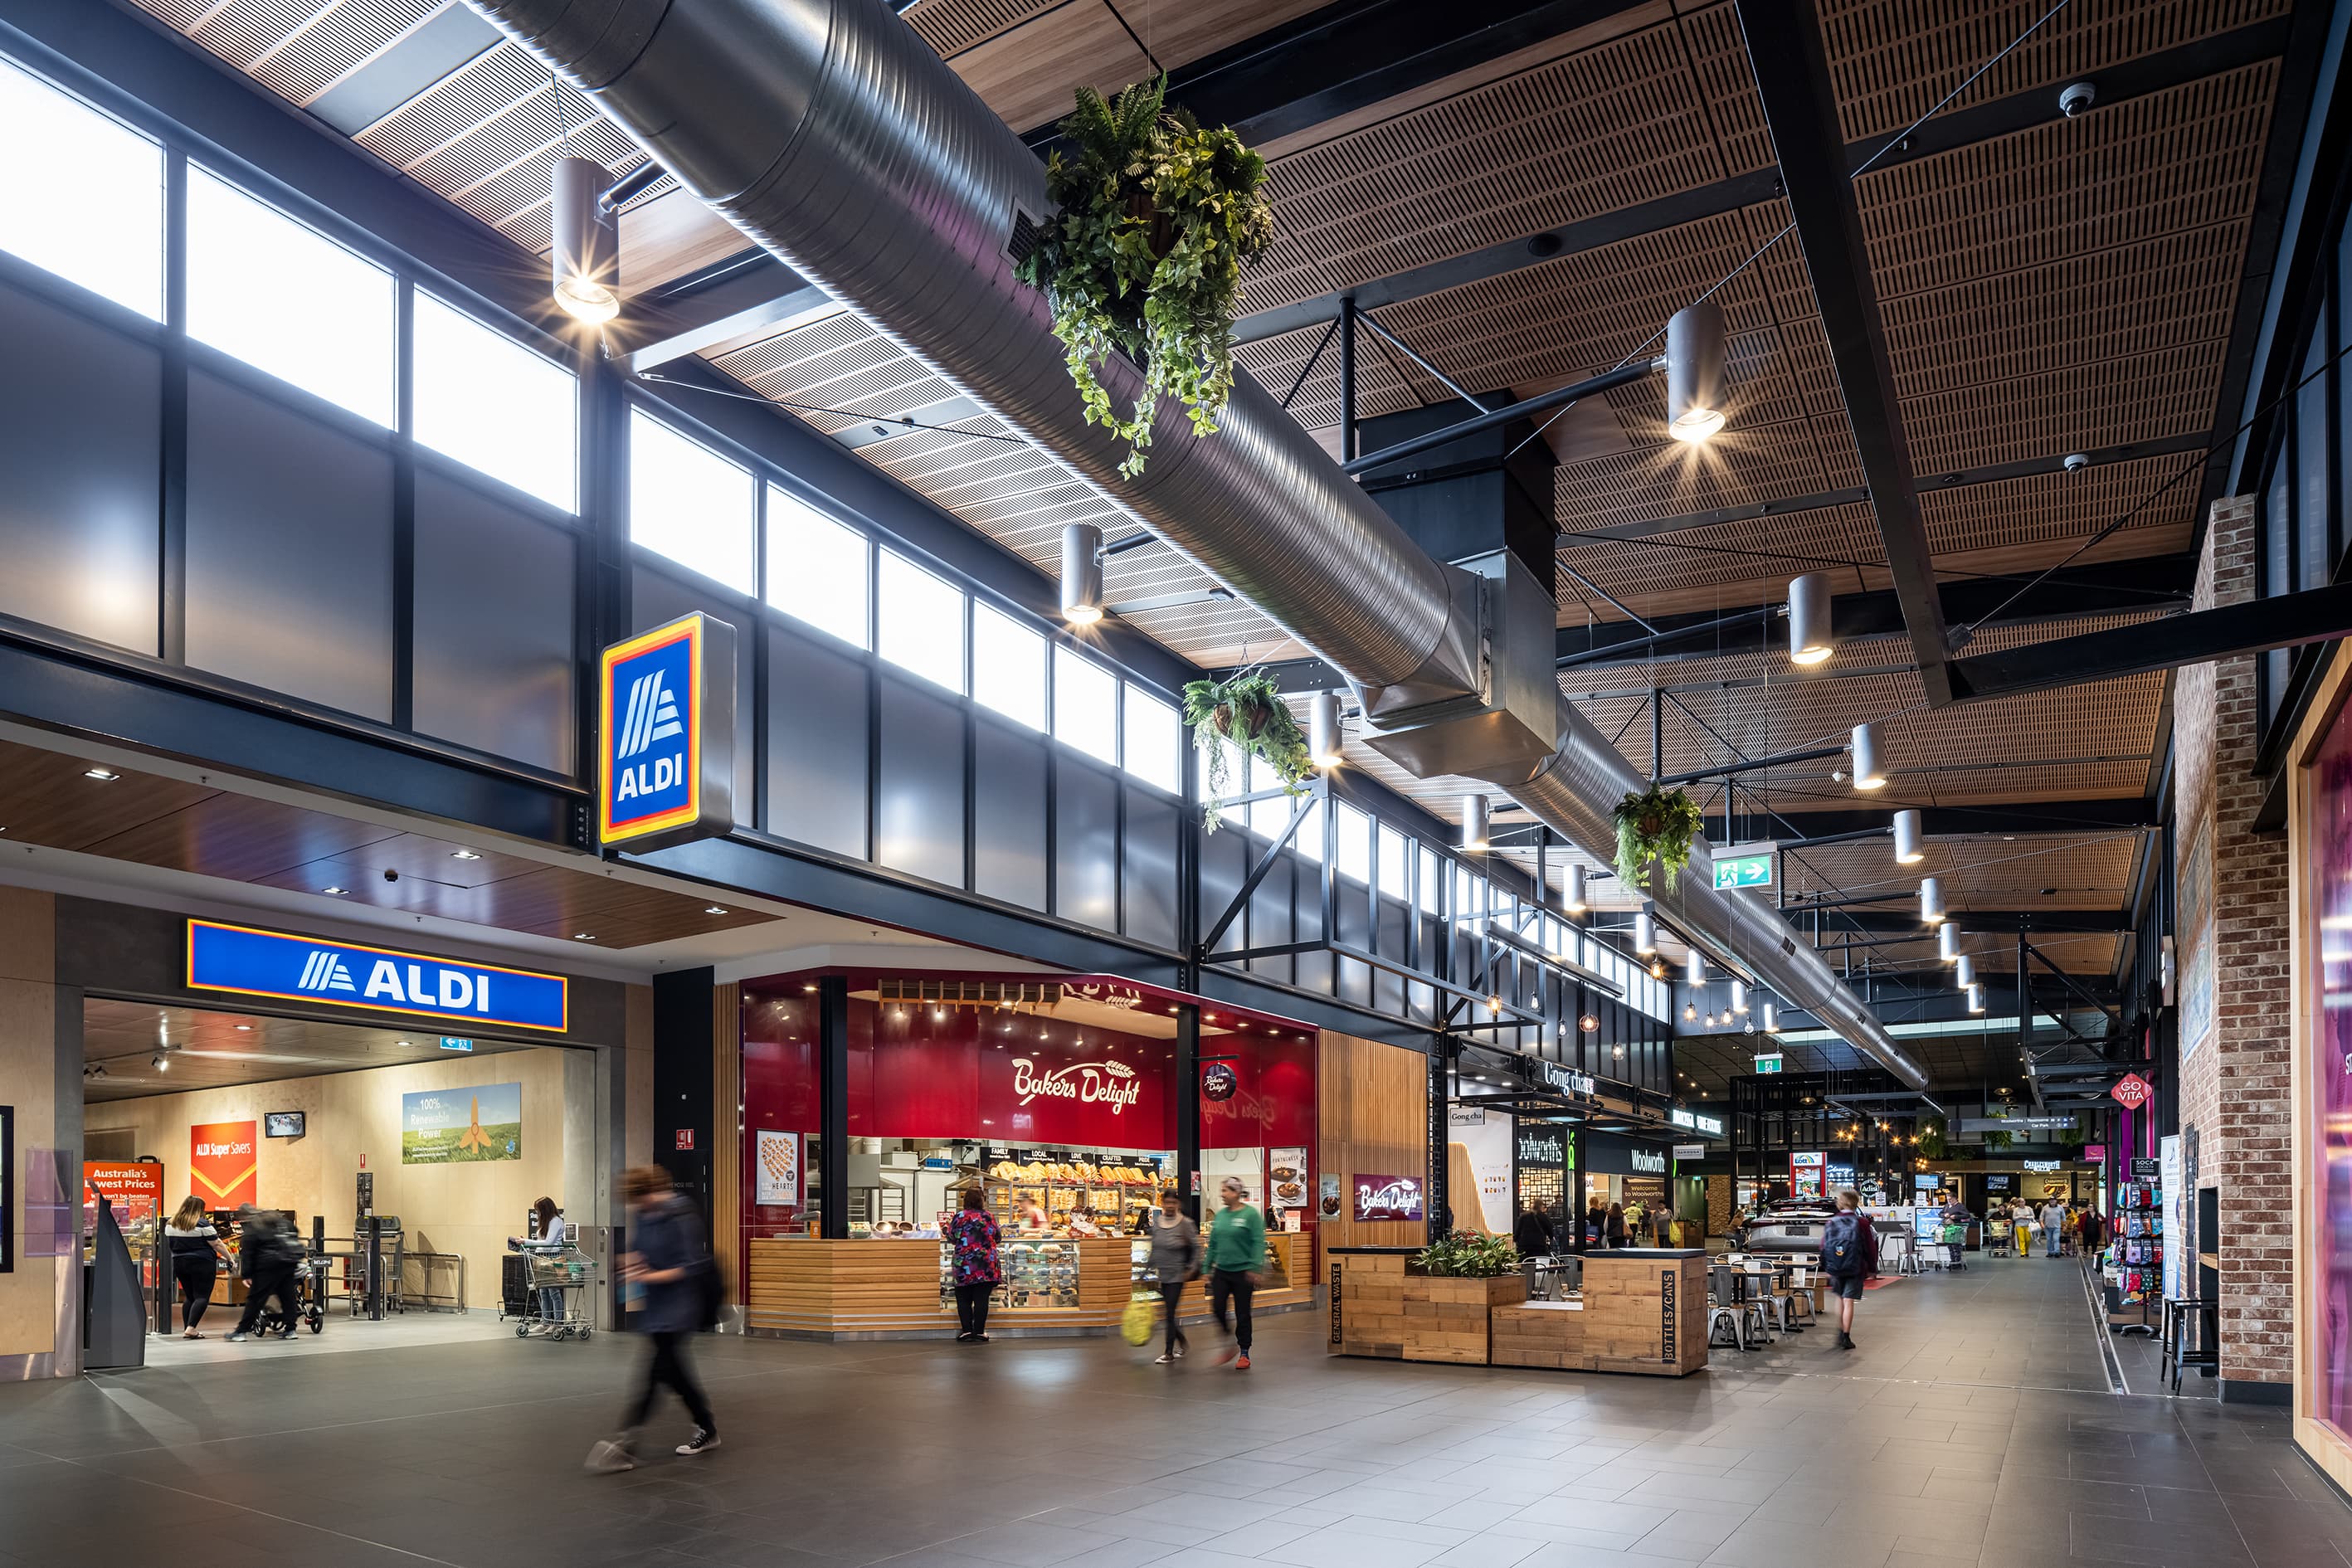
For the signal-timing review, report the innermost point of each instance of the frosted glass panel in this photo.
(493, 405)
(688, 503)
(1086, 706)
(1154, 742)
(287, 299)
(816, 567)
(1008, 667)
(922, 621)
(85, 194)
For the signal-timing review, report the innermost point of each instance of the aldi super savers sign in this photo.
(257, 963)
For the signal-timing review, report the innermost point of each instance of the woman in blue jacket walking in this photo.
(670, 1260)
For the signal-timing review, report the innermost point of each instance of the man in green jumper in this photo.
(1236, 1251)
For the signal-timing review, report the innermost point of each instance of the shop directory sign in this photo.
(666, 751)
(254, 963)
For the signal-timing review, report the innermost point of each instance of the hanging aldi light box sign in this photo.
(666, 761)
(256, 962)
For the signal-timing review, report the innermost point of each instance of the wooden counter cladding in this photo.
(1639, 1312)
(1379, 1310)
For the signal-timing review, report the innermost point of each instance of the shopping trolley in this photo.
(565, 1275)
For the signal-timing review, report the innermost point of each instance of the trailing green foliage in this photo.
(1997, 1140)
(1931, 1138)
(1467, 1257)
(1656, 824)
(1157, 216)
(1249, 711)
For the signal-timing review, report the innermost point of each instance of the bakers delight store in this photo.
(1061, 1099)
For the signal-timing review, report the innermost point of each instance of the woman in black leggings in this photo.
(196, 1262)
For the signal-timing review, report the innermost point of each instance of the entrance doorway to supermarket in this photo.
(405, 1160)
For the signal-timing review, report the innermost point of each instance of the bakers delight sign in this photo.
(1113, 1085)
(1388, 1197)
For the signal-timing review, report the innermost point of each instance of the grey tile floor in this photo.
(1972, 1428)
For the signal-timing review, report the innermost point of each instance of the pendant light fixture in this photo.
(1081, 574)
(1931, 901)
(1809, 640)
(585, 242)
(1645, 933)
(1576, 902)
(1910, 840)
(1964, 971)
(1739, 996)
(1948, 941)
(1473, 822)
(1869, 771)
(1771, 1016)
(1976, 998)
(1694, 971)
(1690, 1011)
(1694, 362)
(1323, 728)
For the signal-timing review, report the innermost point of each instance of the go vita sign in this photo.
(666, 751)
(254, 963)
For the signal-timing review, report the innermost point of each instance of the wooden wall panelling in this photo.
(726, 1134)
(1374, 1120)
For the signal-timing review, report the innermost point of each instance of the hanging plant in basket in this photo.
(1249, 711)
(1655, 824)
(1156, 218)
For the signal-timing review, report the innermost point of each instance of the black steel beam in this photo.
(2096, 588)
(1801, 108)
(1346, 56)
(2061, 922)
(1945, 134)
(1998, 821)
(2287, 620)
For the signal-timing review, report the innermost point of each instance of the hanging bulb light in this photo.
(1081, 574)
(1694, 362)
(1771, 1016)
(1909, 838)
(585, 249)
(1473, 822)
(1323, 729)
(1931, 901)
(1869, 771)
(1976, 998)
(1694, 971)
(1809, 639)
(1964, 971)
(1645, 933)
(1658, 969)
(1739, 996)
(1576, 902)
(1690, 1011)
(1589, 1023)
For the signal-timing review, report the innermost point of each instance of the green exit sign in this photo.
(1769, 1064)
(1743, 870)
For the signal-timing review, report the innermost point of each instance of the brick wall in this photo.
(2234, 1088)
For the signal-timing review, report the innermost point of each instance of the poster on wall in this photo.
(461, 1126)
(1288, 1172)
(1330, 1196)
(2196, 927)
(1485, 1144)
(136, 1187)
(2176, 1219)
(223, 1168)
(776, 1169)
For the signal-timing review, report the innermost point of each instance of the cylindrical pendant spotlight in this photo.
(1964, 971)
(1976, 998)
(1323, 728)
(1910, 847)
(1473, 822)
(1771, 1016)
(1645, 933)
(1739, 996)
(1695, 358)
(1576, 900)
(1082, 576)
(1931, 901)
(1869, 771)
(1694, 971)
(1947, 942)
(585, 253)
(1809, 640)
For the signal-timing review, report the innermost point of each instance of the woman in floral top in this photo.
(976, 1273)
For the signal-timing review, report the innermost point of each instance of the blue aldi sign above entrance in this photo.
(665, 759)
(256, 963)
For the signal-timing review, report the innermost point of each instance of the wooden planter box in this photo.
(1448, 1320)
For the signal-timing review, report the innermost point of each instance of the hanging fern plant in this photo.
(1157, 218)
(1248, 710)
(1655, 824)
(1931, 1138)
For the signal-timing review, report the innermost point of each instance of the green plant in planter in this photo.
(1249, 711)
(1656, 824)
(1997, 1141)
(1156, 217)
(1931, 1138)
(1466, 1256)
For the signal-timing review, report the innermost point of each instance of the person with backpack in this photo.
(268, 1254)
(668, 1260)
(1849, 1256)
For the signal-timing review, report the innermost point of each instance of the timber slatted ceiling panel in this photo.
(1892, 61)
(951, 25)
(2087, 871)
(2058, 506)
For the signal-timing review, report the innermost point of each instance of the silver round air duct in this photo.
(833, 134)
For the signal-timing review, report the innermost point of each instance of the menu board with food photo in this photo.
(1289, 1175)
(776, 1178)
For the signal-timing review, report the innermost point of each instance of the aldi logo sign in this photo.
(666, 768)
(256, 963)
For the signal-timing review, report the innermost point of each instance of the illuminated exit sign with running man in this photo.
(1746, 866)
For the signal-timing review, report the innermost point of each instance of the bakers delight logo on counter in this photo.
(1388, 1197)
(1114, 1084)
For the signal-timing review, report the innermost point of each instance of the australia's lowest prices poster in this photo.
(461, 1126)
